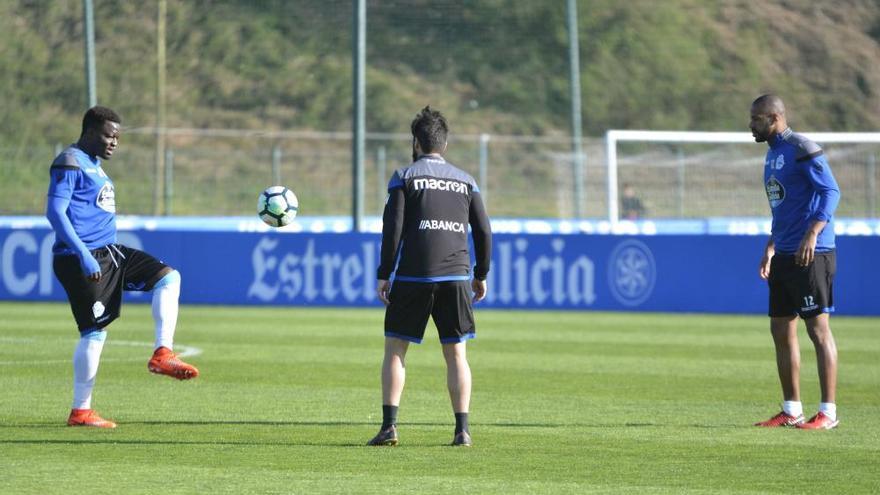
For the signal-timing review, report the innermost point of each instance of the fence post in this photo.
(89, 54)
(680, 183)
(871, 185)
(576, 110)
(169, 180)
(380, 176)
(276, 165)
(611, 166)
(484, 168)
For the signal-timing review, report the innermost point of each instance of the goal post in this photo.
(858, 152)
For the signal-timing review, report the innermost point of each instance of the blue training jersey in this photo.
(801, 190)
(92, 211)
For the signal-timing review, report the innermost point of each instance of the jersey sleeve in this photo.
(819, 173)
(392, 230)
(481, 231)
(62, 180)
(395, 181)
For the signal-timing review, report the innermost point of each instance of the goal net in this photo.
(679, 174)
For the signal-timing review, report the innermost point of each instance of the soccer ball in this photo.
(277, 206)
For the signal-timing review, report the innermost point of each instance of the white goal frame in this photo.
(612, 137)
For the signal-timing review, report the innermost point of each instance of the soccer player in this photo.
(94, 269)
(799, 260)
(424, 233)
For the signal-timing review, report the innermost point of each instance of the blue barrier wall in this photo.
(688, 273)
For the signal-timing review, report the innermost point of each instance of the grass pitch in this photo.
(562, 403)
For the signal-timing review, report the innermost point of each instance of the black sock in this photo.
(461, 422)
(389, 416)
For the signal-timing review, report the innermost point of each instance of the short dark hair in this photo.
(429, 128)
(769, 103)
(97, 115)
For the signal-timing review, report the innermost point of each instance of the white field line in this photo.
(182, 351)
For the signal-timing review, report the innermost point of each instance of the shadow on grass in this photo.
(60, 425)
(112, 441)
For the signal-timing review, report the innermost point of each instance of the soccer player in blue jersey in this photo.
(94, 269)
(799, 260)
(425, 236)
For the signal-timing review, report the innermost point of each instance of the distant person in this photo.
(799, 261)
(94, 269)
(425, 235)
(630, 204)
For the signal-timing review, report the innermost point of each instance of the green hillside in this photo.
(497, 66)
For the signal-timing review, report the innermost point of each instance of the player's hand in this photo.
(764, 267)
(383, 288)
(807, 250)
(90, 266)
(479, 288)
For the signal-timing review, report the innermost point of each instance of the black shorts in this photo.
(449, 303)
(97, 304)
(802, 290)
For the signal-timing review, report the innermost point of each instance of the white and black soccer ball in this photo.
(277, 206)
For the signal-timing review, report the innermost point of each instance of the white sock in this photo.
(85, 367)
(793, 408)
(165, 296)
(829, 409)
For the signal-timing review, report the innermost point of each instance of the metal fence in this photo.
(221, 173)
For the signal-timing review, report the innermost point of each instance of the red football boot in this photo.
(782, 419)
(819, 422)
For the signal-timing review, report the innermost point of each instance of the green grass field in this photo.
(562, 403)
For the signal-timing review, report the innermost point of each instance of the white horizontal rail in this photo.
(733, 137)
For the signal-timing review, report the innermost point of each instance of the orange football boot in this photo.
(165, 362)
(88, 417)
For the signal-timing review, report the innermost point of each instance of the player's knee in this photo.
(171, 278)
(455, 352)
(819, 334)
(93, 333)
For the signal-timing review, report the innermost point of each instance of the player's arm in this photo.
(481, 231)
(392, 231)
(769, 251)
(820, 176)
(60, 193)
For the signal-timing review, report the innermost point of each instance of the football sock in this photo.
(828, 409)
(792, 407)
(389, 416)
(165, 295)
(461, 422)
(85, 366)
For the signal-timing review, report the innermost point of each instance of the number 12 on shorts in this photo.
(809, 302)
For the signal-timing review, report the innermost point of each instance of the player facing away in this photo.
(425, 234)
(94, 269)
(799, 260)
